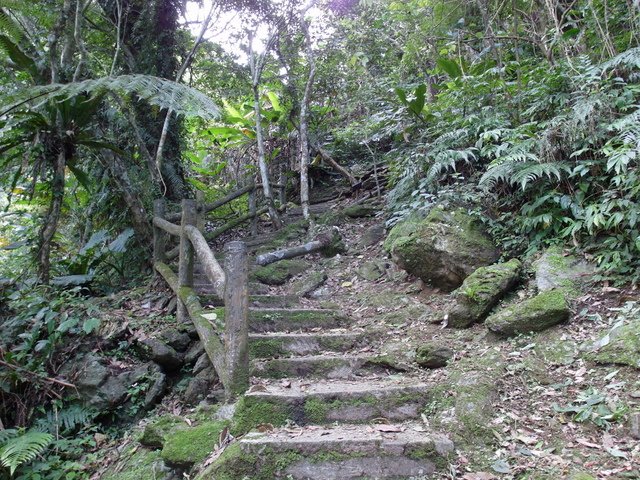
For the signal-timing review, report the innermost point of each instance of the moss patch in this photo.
(360, 211)
(185, 448)
(139, 464)
(266, 348)
(278, 273)
(253, 411)
(155, 432)
(533, 315)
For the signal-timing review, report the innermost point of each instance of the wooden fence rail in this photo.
(226, 343)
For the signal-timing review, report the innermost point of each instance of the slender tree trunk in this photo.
(257, 65)
(139, 218)
(50, 223)
(304, 121)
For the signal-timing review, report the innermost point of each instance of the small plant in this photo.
(21, 447)
(593, 406)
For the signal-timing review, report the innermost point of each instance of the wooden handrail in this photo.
(212, 268)
(208, 207)
(170, 228)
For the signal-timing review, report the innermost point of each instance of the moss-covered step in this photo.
(340, 453)
(324, 366)
(258, 301)
(325, 402)
(262, 320)
(272, 345)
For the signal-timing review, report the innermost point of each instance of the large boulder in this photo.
(532, 315)
(481, 291)
(441, 249)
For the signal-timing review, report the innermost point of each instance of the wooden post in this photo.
(253, 207)
(159, 235)
(185, 262)
(236, 316)
(200, 210)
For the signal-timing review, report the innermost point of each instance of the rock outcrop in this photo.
(441, 249)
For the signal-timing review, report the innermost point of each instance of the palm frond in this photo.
(166, 94)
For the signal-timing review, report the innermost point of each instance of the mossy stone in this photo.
(532, 315)
(280, 272)
(623, 347)
(252, 411)
(555, 269)
(308, 283)
(155, 432)
(441, 249)
(140, 464)
(360, 211)
(481, 291)
(185, 447)
(431, 355)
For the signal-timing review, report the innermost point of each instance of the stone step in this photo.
(204, 289)
(271, 345)
(258, 301)
(263, 320)
(350, 452)
(324, 402)
(324, 366)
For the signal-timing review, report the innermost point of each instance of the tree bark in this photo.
(50, 223)
(304, 117)
(257, 65)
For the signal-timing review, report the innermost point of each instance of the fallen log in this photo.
(321, 242)
(336, 166)
(234, 223)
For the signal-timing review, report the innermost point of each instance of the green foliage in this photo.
(23, 448)
(593, 406)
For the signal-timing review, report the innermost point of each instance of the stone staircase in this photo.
(321, 405)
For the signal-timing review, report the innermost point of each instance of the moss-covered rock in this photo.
(360, 211)
(184, 448)
(441, 249)
(371, 271)
(555, 269)
(308, 283)
(431, 355)
(481, 291)
(532, 315)
(252, 411)
(139, 464)
(278, 273)
(155, 432)
(623, 347)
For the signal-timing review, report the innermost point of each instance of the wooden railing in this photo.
(226, 343)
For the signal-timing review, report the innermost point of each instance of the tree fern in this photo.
(183, 100)
(23, 448)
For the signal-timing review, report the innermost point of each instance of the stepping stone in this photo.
(343, 366)
(287, 320)
(325, 402)
(342, 453)
(269, 301)
(270, 345)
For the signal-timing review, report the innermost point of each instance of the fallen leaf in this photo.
(479, 476)
(388, 428)
(587, 443)
(501, 466)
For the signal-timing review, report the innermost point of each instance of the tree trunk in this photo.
(50, 224)
(139, 218)
(304, 121)
(257, 65)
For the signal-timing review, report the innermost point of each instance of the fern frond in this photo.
(166, 94)
(6, 435)
(67, 419)
(629, 58)
(23, 449)
(530, 172)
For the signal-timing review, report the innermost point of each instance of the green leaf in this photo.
(81, 176)
(417, 104)
(18, 57)
(450, 67)
(90, 325)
